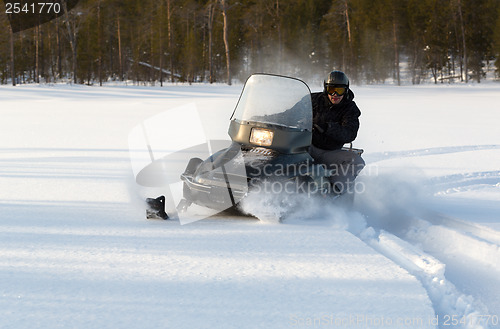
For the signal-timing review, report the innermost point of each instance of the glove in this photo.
(318, 128)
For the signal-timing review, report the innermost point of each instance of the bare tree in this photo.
(464, 50)
(226, 40)
(72, 27)
(12, 67)
(99, 55)
(160, 42)
(349, 37)
(120, 55)
(210, 18)
(36, 36)
(280, 37)
(59, 51)
(395, 40)
(169, 36)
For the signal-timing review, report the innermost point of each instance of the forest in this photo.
(157, 41)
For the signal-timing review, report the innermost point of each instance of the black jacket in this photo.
(335, 125)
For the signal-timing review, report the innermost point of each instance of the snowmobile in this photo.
(270, 131)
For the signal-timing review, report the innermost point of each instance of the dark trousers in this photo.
(343, 165)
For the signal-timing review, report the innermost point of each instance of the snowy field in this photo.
(420, 249)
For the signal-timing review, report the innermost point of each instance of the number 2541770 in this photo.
(454, 320)
(32, 8)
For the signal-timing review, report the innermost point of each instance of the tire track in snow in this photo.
(477, 233)
(465, 182)
(470, 251)
(375, 157)
(427, 249)
(447, 300)
(457, 262)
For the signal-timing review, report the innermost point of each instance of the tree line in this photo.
(153, 41)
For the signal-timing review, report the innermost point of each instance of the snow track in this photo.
(479, 231)
(431, 151)
(471, 253)
(433, 209)
(466, 239)
(466, 182)
(452, 259)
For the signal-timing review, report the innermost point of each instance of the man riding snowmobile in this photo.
(271, 129)
(335, 123)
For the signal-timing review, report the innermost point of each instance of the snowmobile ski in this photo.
(156, 208)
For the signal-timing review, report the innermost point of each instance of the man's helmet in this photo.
(335, 80)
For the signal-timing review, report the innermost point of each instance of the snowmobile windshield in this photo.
(276, 100)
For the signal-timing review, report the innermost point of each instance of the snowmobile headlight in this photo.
(262, 137)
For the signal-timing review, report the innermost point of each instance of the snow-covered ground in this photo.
(420, 249)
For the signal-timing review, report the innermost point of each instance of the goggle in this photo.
(332, 90)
